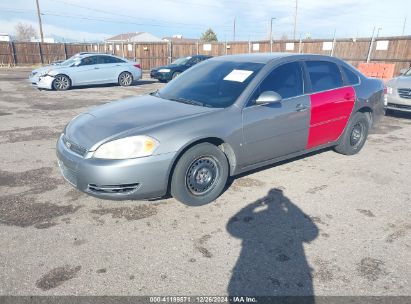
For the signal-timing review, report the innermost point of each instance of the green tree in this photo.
(209, 36)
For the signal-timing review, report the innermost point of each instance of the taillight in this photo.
(137, 65)
(385, 96)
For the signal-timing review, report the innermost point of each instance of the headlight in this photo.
(389, 90)
(164, 70)
(125, 148)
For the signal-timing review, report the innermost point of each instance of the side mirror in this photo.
(268, 97)
(403, 71)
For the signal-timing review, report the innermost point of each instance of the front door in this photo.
(275, 130)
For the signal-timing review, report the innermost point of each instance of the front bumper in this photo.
(139, 178)
(161, 76)
(395, 102)
(45, 82)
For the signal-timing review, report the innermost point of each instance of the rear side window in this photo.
(109, 59)
(285, 80)
(350, 77)
(324, 75)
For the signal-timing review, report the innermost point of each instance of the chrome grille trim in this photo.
(123, 189)
(74, 147)
(404, 93)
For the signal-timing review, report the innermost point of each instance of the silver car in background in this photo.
(87, 69)
(398, 95)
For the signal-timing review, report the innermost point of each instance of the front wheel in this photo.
(355, 135)
(200, 175)
(125, 79)
(61, 83)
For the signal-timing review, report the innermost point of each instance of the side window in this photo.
(194, 61)
(89, 60)
(324, 75)
(350, 76)
(285, 80)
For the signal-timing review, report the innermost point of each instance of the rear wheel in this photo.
(125, 79)
(200, 175)
(355, 135)
(61, 83)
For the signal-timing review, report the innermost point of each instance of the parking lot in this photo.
(325, 224)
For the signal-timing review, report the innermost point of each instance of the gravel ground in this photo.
(325, 224)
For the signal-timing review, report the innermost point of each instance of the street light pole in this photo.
(271, 35)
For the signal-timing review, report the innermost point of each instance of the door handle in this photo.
(301, 107)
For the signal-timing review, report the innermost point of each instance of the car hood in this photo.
(42, 69)
(400, 82)
(127, 117)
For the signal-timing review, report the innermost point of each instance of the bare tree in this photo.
(24, 32)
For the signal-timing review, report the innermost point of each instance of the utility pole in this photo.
(271, 35)
(234, 30)
(403, 26)
(295, 18)
(371, 46)
(39, 17)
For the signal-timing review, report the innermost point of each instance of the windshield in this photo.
(181, 61)
(211, 83)
(69, 61)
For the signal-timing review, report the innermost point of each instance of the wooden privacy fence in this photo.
(395, 50)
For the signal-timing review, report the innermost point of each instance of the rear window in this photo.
(350, 76)
(324, 75)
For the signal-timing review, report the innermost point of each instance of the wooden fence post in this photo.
(170, 52)
(65, 51)
(13, 53)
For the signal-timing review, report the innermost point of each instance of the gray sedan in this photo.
(87, 69)
(399, 92)
(223, 117)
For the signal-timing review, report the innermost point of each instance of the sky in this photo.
(96, 20)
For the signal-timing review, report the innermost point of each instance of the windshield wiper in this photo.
(188, 101)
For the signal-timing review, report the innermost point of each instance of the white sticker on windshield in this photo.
(238, 75)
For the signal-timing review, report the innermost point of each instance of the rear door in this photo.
(275, 130)
(331, 103)
(108, 68)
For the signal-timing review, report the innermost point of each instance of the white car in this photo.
(398, 95)
(87, 69)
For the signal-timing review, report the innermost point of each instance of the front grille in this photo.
(74, 147)
(124, 188)
(404, 93)
(68, 174)
(399, 106)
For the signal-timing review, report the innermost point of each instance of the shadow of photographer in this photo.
(272, 261)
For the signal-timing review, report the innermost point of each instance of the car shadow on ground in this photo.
(231, 179)
(272, 261)
(398, 114)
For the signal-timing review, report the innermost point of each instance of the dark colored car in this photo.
(223, 117)
(168, 72)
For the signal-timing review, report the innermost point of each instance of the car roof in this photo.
(268, 57)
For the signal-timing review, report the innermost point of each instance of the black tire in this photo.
(200, 175)
(355, 134)
(61, 82)
(125, 79)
